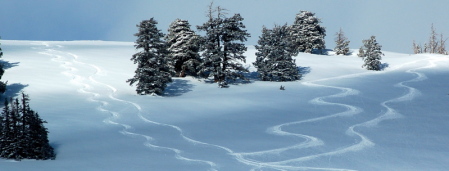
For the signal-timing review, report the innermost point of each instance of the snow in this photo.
(340, 116)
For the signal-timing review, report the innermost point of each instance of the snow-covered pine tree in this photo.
(223, 47)
(372, 54)
(183, 49)
(152, 73)
(361, 52)
(342, 43)
(23, 135)
(2, 71)
(274, 56)
(308, 35)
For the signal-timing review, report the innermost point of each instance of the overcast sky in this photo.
(395, 23)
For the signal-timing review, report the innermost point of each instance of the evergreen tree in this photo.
(183, 48)
(361, 52)
(274, 57)
(152, 73)
(2, 71)
(223, 47)
(307, 33)
(23, 135)
(6, 133)
(342, 43)
(372, 54)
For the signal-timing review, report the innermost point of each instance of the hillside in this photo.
(338, 117)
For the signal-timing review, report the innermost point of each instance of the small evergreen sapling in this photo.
(361, 52)
(152, 73)
(372, 54)
(342, 43)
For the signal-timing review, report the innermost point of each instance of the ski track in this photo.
(309, 141)
(364, 141)
(78, 80)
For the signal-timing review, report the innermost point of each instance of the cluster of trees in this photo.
(219, 54)
(434, 45)
(177, 54)
(370, 51)
(277, 47)
(22, 133)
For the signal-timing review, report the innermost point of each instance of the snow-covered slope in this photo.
(338, 117)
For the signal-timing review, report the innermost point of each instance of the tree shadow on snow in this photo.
(251, 75)
(321, 51)
(254, 76)
(304, 71)
(55, 147)
(7, 64)
(13, 90)
(384, 66)
(178, 87)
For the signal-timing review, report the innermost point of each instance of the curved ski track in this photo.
(245, 158)
(58, 56)
(364, 141)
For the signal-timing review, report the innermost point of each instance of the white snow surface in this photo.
(339, 116)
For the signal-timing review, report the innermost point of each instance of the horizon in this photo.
(395, 24)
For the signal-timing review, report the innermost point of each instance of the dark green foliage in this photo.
(223, 47)
(307, 33)
(371, 53)
(23, 135)
(152, 73)
(274, 57)
(183, 48)
(342, 43)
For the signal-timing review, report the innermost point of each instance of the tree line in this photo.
(219, 53)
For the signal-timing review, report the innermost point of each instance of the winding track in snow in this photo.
(364, 141)
(241, 157)
(77, 79)
(126, 128)
(244, 158)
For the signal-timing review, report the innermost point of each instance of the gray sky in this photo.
(395, 23)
